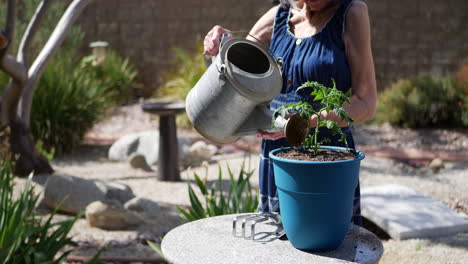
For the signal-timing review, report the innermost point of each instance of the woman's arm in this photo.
(263, 29)
(359, 54)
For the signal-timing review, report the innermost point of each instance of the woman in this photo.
(318, 40)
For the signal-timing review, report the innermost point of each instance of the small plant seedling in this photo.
(331, 99)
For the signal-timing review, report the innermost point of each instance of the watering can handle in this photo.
(243, 31)
(224, 38)
(279, 60)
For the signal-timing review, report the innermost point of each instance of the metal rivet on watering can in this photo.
(280, 61)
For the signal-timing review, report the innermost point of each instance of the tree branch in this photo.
(33, 27)
(37, 68)
(8, 32)
(14, 68)
(10, 100)
(12, 93)
(3, 41)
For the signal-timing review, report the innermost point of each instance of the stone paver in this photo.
(404, 213)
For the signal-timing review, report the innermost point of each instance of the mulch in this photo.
(412, 144)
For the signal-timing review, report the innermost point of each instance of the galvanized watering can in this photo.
(230, 100)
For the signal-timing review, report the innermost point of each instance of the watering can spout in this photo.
(295, 128)
(260, 119)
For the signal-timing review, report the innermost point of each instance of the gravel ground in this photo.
(90, 162)
(448, 184)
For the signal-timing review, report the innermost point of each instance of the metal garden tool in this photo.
(244, 226)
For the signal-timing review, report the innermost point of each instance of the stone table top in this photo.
(164, 107)
(210, 240)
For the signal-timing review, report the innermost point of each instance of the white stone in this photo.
(202, 150)
(436, 164)
(124, 147)
(195, 154)
(404, 213)
(146, 144)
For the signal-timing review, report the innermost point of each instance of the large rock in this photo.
(202, 150)
(199, 152)
(404, 213)
(146, 144)
(73, 194)
(110, 215)
(147, 209)
(123, 148)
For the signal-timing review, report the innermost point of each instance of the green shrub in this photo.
(424, 102)
(116, 74)
(187, 69)
(461, 76)
(72, 94)
(24, 236)
(238, 199)
(66, 104)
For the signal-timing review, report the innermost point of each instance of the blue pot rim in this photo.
(360, 156)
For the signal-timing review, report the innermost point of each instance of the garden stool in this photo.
(168, 163)
(210, 240)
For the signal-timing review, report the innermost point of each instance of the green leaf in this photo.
(200, 184)
(238, 199)
(156, 248)
(189, 216)
(196, 204)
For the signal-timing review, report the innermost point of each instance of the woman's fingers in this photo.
(212, 40)
(271, 136)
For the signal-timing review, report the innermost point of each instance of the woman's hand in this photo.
(271, 136)
(213, 39)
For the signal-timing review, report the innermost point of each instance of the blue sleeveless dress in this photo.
(320, 58)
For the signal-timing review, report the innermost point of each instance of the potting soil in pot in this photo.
(322, 155)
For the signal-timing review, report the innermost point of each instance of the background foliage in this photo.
(424, 102)
(187, 69)
(72, 94)
(239, 198)
(24, 236)
(71, 97)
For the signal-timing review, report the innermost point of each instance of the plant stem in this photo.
(316, 133)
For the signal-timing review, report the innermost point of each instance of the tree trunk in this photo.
(24, 81)
(27, 159)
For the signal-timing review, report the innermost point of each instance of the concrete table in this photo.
(168, 163)
(210, 240)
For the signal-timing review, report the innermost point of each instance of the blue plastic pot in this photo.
(316, 199)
